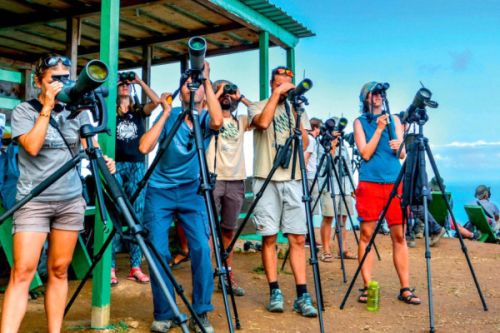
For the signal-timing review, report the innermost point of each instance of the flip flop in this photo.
(326, 257)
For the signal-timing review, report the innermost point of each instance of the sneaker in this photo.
(411, 243)
(419, 235)
(275, 301)
(204, 321)
(237, 290)
(162, 326)
(436, 237)
(304, 306)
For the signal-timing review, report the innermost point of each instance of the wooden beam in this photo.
(73, 32)
(163, 39)
(290, 61)
(231, 50)
(77, 10)
(239, 12)
(147, 55)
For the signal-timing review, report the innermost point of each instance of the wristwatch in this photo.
(241, 97)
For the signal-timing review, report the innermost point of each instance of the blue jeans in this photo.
(185, 202)
(128, 175)
(9, 173)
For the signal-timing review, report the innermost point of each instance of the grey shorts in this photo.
(280, 208)
(327, 205)
(38, 216)
(229, 196)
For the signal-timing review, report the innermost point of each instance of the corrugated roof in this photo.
(280, 17)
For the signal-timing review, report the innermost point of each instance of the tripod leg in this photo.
(129, 217)
(287, 253)
(351, 181)
(375, 232)
(454, 221)
(428, 265)
(95, 261)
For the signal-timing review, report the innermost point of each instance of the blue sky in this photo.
(453, 47)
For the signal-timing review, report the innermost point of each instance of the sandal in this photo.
(114, 279)
(176, 262)
(326, 257)
(348, 255)
(137, 275)
(363, 297)
(410, 298)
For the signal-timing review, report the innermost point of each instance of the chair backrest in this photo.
(437, 207)
(478, 218)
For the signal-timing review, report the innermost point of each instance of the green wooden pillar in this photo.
(290, 60)
(264, 64)
(101, 288)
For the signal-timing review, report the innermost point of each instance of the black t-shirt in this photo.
(129, 129)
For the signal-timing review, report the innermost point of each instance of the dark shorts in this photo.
(371, 199)
(38, 216)
(229, 196)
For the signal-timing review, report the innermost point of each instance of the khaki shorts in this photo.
(280, 208)
(327, 205)
(314, 195)
(39, 216)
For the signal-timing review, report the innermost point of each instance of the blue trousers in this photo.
(128, 174)
(9, 173)
(185, 202)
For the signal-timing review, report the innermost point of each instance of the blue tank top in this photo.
(383, 166)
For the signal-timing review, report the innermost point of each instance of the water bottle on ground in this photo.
(373, 302)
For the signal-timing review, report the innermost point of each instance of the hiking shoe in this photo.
(275, 301)
(162, 326)
(304, 306)
(204, 321)
(237, 290)
(436, 237)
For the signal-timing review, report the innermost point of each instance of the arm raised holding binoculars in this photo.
(265, 118)
(155, 100)
(150, 139)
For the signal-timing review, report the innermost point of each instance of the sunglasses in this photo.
(283, 71)
(53, 61)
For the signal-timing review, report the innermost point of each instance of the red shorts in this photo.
(371, 199)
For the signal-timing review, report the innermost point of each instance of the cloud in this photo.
(460, 60)
(472, 144)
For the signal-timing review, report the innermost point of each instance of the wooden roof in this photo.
(33, 27)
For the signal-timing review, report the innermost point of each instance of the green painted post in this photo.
(290, 60)
(101, 288)
(264, 64)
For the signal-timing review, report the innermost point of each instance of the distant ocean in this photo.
(462, 194)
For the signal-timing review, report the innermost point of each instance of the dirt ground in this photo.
(456, 301)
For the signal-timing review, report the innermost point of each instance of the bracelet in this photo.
(241, 97)
(45, 114)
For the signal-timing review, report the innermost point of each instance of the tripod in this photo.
(98, 164)
(281, 155)
(414, 168)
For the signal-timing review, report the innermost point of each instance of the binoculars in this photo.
(230, 89)
(126, 76)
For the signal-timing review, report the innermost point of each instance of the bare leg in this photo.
(269, 257)
(400, 256)
(326, 233)
(27, 247)
(61, 246)
(367, 229)
(298, 257)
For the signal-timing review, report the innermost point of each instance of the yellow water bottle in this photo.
(373, 302)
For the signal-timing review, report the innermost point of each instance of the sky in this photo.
(452, 47)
